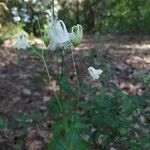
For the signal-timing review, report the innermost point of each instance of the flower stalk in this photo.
(78, 85)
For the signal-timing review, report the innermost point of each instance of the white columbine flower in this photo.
(22, 41)
(76, 35)
(95, 73)
(58, 34)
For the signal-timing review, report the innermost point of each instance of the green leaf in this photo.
(32, 51)
(23, 121)
(75, 142)
(53, 106)
(2, 123)
(128, 106)
(122, 130)
(59, 129)
(65, 85)
(68, 105)
(57, 144)
(104, 79)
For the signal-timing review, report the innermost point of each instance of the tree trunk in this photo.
(77, 13)
(90, 21)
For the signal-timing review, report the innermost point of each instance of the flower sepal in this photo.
(76, 35)
(95, 73)
(22, 41)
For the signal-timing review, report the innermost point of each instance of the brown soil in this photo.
(24, 89)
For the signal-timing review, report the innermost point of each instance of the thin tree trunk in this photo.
(77, 13)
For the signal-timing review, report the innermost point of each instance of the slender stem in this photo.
(86, 78)
(48, 74)
(78, 85)
(57, 62)
(36, 51)
(39, 28)
(53, 13)
(62, 70)
(62, 62)
(46, 68)
(49, 78)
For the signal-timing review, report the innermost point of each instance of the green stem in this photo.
(48, 75)
(57, 63)
(62, 62)
(46, 68)
(78, 85)
(36, 51)
(47, 71)
(42, 36)
(62, 70)
(49, 79)
(53, 9)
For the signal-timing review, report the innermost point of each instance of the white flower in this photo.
(76, 35)
(112, 148)
(58, 34)
(95, 73)
(22, 41)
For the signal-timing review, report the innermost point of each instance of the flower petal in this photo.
(58, 34)
(22, 41)
(95, 73)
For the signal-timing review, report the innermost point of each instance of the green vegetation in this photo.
(84, 112)
(2, 123)
(99, 16)
(108, 117)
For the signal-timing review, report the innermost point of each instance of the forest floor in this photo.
(24, 92)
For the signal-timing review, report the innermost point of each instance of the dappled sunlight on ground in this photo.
(7, 54)
(139, 62)
(129, 56)
(137, 46)
(38, 42)
(24, 86)
(87, 44)
(129, 88)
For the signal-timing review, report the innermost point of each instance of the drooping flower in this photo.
(46, 37)
(95, 73)
(58, 34)
(22, 41)
(76, 35)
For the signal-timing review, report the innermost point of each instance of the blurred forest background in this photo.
(97, 16)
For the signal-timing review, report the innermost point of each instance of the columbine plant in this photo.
(56, 36)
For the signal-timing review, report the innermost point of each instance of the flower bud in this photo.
(76, 35)
(46, 38)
